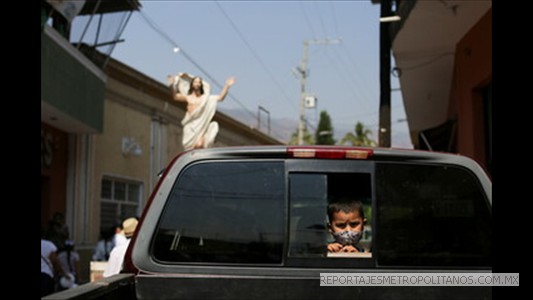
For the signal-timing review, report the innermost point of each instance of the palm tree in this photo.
(360, 138)
(308, 138)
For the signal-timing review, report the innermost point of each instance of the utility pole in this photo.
(259, 109)
(384, 75)
(302, 69)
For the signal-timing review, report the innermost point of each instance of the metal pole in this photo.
(385, 66)
(259, 109)
(304, 73)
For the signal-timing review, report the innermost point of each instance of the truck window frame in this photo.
(318, 166)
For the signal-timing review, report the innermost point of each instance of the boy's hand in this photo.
(349, 248)
(334, 247)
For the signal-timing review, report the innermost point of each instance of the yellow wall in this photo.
(134, 104)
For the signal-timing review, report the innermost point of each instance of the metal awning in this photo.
(439, 138)
(424, 51)
(109, 6)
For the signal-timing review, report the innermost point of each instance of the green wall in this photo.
(69, 86)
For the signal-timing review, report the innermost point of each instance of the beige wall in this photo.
(119, 122)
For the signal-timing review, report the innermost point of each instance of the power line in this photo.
(158, 30)
(189, 58)
(367, 114)
(427, 62)
(362, 95)
(398, 121)
(254, 53)
(304, 73)
(321, 19)
(349, 85)
(334, 17)
(307, 20)
(359, 78)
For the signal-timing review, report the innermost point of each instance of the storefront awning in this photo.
(109, 6)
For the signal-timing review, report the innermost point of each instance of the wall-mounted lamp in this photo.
(396, 72)
(130, 146)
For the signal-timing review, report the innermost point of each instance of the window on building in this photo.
(119, 199)
(227, 212)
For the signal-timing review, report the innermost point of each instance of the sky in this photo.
(261, 43)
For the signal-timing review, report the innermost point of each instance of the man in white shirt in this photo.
(116, 258)
(49, 266)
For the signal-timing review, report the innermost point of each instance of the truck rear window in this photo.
(224, 212)
(431, 215)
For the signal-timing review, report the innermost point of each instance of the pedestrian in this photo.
(69, 259)
(50, 267)
(116, 258)
(106, 243)
(58, 231)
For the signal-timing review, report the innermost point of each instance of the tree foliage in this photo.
(324, 131)
(308, 138)
(360, 137)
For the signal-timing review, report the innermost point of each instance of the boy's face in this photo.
(343, 221)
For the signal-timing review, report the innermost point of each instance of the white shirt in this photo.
(47, 248)
(119, 239)
(116, 258)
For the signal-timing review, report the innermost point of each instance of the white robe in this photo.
(195, 123)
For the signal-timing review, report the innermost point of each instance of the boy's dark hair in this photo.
(346, 205)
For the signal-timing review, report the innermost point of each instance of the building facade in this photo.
(106, 134)
(443, 54)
